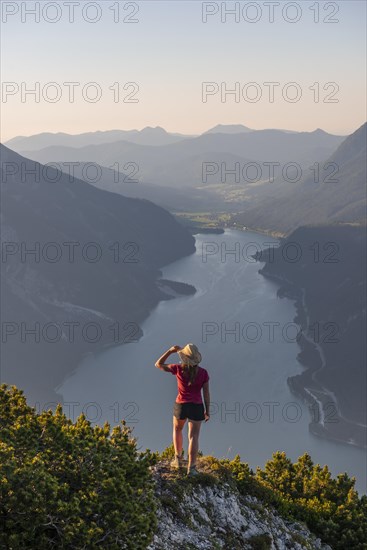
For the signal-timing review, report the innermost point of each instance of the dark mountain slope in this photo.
(113, 279)
(323, 201)
(128, 185)
(329, 282)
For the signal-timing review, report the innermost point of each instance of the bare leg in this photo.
(177, 434)
(194, 430)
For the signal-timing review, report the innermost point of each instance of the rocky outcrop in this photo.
(206, 513)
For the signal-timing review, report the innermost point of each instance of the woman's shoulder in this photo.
(203, 371)
(174, 368)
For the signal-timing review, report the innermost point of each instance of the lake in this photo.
(246, 336)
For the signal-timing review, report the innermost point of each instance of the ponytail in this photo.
(191, 370)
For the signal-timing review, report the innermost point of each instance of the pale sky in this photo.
(169, 52)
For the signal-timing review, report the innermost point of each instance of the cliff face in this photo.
(210, 517)
(79, 269)
(328, 280)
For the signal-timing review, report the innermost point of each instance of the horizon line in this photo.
(179, 133)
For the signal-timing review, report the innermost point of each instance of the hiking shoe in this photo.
(192, 471)
(177, 462)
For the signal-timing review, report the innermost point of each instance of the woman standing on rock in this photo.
(191, 379)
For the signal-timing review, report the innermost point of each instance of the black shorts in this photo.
(192, 411)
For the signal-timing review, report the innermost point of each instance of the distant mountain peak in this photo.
(151, 129)
(228, 129)
(319, 131)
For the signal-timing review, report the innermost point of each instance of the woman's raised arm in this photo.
(160, 363)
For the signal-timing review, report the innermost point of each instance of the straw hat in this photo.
(190, 355)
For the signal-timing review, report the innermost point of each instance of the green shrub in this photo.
(331, 508)
(167, 454)
(70, 485)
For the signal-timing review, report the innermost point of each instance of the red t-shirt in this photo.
(192, 393)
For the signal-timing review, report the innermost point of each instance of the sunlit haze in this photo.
(169, 52)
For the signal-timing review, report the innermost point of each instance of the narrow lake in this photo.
(247, 338)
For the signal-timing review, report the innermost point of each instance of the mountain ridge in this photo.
(154, 136)
(172, 164)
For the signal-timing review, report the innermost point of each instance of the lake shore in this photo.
(203, 223)
(326, 419)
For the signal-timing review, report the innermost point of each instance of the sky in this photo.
(173, 63)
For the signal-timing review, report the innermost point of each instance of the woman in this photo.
(191, 379)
